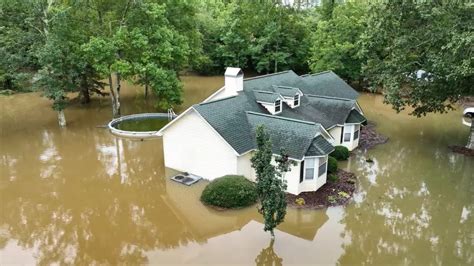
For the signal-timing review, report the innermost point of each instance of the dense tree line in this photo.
(418, 53)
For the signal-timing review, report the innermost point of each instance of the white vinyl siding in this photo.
(191, 145)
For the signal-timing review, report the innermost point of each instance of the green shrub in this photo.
(341, 153)
(333, 178)
(230, 192)
(332, 165)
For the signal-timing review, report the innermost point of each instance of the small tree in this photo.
(270, 184)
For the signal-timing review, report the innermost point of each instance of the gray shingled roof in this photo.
(319, 146)
(235, 118)
(286, 91)
(355, 117)
(266, 96)
(292, 135)
(328, 84)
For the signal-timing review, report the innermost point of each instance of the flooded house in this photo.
(306, 115)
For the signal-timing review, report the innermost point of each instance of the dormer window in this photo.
(277, 106)
(296, 101)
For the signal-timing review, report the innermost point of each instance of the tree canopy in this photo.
(417, 53)
(421, 54)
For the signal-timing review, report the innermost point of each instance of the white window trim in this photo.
(315, 174)
(299, 100)
(275, 105)
(319, 165)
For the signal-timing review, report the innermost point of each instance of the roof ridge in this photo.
(284, 87)
(267, 75)
(318, 73)
(217, 100)
(329, 97)
(267, 92)
(283, 118)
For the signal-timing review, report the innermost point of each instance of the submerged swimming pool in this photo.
(144, 125)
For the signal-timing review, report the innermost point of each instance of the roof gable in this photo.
(286, 91)
(266, 96)
(292, 135)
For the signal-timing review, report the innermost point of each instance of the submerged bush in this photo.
(230, 192)
(341, 153)
(333, 178)
(332, 165)
(300, 201)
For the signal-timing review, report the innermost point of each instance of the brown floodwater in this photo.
(80, 195)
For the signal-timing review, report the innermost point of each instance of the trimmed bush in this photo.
(332, 165)
(341, 153)
(230, 192)
(333, 178)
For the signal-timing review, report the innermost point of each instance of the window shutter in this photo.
(342, 134)
(302, 171)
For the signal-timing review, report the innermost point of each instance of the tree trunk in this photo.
(114, 98)
(146, 90)
(61, 118)
(85, 95)
(117, 90)
(470, 140)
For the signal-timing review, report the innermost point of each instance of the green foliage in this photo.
(230, 192)
(333, 178)
(276, 41)
(340, 153)
(332, 165)
(270, 181)
(19, 42)
(332, 199)
(343, 194)
(420, 54)
(334, 44)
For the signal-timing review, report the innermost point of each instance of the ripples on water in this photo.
(80, 195)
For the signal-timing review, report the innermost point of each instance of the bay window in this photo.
(322, 166)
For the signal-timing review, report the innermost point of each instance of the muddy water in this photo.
(80, 195)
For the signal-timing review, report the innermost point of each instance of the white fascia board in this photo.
(273, 154)
(325, 132)
(160, 132)
(214, 94)
(360, 108)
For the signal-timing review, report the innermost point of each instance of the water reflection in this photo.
(413, 213)
(83, 196)
(268, 256)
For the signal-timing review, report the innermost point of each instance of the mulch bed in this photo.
(328, 195)
(462, 150)
(370, 138)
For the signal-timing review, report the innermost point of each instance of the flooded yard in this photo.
(80, 195)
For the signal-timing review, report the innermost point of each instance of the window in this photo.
(322, 166)
(277, 106)
(309, 168)
(347, 137)
(356, 134)
(296, 100)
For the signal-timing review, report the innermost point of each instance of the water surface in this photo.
(80, 195)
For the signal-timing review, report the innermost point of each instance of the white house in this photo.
(307, 115)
